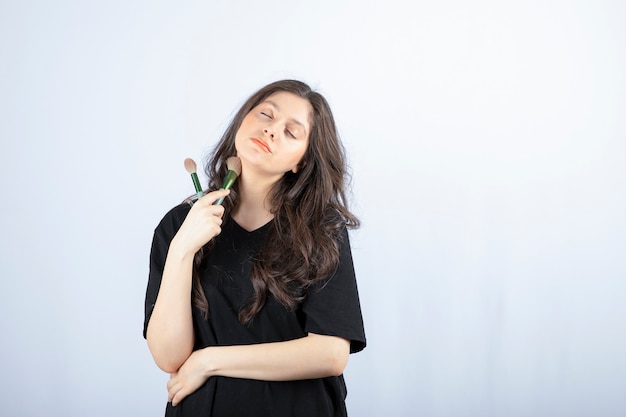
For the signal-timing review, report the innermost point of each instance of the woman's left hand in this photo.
(188, 378)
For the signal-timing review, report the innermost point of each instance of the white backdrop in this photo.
(487, 146)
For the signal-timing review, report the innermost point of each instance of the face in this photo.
(274, 136)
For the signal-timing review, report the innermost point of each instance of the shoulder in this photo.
(339, 219)
(171, 221)
(336, 226)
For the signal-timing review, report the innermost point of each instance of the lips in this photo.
(262, 144)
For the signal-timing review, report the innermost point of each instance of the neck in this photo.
(253, 209)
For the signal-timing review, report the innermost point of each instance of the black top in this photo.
(331, 307)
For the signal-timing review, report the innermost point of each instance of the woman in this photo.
(252, 305)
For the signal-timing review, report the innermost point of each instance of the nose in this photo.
(269, 132)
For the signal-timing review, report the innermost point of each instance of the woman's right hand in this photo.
(203, 223)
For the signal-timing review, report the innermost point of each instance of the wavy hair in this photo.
(310, 209)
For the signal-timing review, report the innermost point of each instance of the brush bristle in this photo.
(190, 165)
(234, 164)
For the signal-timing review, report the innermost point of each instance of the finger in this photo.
(214, 195)
(172, 381)
(215, 211)
(180, 395)
(171, 392)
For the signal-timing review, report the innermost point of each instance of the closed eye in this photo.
(290, 134)
(266, 115)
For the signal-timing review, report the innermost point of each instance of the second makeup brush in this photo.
(190, 166)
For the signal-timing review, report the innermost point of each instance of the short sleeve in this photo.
(163, 235)
(332, 306)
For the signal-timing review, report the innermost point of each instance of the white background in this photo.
(486, 141)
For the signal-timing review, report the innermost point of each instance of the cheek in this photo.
(241, 132)
(243, 127)
(299, 151)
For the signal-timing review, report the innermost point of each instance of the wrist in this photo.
(178, 251)
(208, 360)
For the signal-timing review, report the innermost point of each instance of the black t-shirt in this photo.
(331, 307)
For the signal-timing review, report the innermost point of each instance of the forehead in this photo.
(291, 106)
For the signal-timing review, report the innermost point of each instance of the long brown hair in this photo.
(310, 208)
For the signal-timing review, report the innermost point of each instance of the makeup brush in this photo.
(234, 169)
(190, 166)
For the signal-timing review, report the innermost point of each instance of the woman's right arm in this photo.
(170, 332)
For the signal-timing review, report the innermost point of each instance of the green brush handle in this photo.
(229, 180)
(196, 184)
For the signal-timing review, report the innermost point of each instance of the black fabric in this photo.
(330, 308)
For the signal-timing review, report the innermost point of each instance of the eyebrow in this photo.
(296, 121)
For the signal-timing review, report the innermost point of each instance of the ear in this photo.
(300, 165)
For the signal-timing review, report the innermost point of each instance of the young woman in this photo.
(252, 305)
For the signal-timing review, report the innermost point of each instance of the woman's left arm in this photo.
(313, 356)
